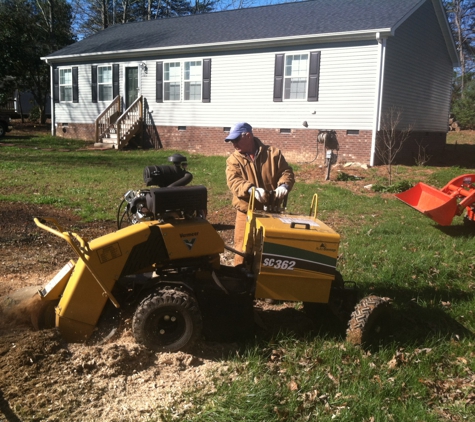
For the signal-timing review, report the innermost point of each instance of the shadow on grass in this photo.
(406, 324)
(424, 322)
(462, 231)
(297, 324)
(462, 155)
(409, 323)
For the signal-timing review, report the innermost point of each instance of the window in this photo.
(192, 78)
(183, 81)
(65, 85)
(295, 78)
(172, 78)
(104, 82)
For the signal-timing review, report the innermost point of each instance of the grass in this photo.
(425, 369)
(89, 182)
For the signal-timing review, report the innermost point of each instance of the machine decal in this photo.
(279, 264)
(189, 234)
(292, 263)
(324, 247)
(298, 254)
(189, 242)
(109, 252)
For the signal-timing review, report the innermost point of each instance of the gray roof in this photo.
(298, 19)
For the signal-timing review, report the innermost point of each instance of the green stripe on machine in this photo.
(300, 255)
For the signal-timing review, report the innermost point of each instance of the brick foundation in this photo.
(298, 145)
(75, 131)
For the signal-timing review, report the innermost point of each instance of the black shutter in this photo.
(75, 85)
(206, 96)
(56, 85)
(94, 83)
(314, 76)
(115, 80)
(159, 82)
(278, 77)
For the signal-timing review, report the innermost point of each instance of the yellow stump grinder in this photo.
(164, 267)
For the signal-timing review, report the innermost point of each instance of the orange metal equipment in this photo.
(442, 205)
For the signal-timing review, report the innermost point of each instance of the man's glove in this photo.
(281, 191)
(259, 194)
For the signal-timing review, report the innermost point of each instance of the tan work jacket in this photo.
(269, 170)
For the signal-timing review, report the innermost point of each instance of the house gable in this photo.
(418, 73)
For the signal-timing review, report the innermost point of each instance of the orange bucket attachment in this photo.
(442, 205)
(431, 202)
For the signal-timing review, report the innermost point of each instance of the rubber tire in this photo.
(44, 317)
(3, 130)
(167, 321)
(364, 327)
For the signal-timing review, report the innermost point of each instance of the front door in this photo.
(131, 85)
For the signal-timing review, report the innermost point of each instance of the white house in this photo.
(290, 70)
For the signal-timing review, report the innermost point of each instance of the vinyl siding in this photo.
(85, 111)
(242, 89)
(418, 73)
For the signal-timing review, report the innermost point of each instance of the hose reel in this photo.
(330, 142)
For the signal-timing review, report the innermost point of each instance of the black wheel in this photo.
(3, 130)
(167, 321)
(367, 320)
(44, 316)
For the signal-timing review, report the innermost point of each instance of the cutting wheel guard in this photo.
(442, 205)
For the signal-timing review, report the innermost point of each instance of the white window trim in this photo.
(61, 100)
(182, 81)
(296, 53)
(198, 79)
(104, 84)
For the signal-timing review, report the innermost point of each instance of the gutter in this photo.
(379, 94)
(228, 46)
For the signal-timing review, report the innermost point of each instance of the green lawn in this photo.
(425, 370)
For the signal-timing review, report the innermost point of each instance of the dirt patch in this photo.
(44, 378)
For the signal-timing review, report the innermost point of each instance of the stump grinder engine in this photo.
(164, 269)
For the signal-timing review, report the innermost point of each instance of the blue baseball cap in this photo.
(237, 130)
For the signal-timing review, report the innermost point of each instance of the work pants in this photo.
(239, 229)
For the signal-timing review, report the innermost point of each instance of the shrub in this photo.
(34, 115)
(394, 188)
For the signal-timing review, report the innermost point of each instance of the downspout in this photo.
(53, 116)
(379, 94)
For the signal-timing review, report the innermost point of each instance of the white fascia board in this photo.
(229, 46)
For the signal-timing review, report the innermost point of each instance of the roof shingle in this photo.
(266, 22)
